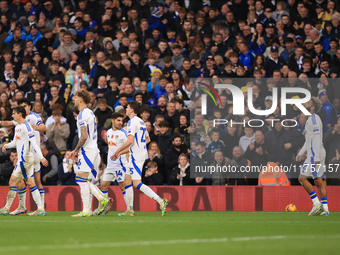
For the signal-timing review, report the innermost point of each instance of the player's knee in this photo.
(318, 182)
(104, 186)
(301, 180)
(30, 183)
(137, 184)
(12, 183)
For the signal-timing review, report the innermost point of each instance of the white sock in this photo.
(149, 192)
(10, 197)
(314, 198)
(36, 197)
(324, 202)
(22, 198)
(124, 196)
(42, 196)
(105, 193)
(90, 201)
(85, 195)
(96, 192)
(129, 197)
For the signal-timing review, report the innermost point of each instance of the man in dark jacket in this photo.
(160, 109)
(117, 70)
(165, 137)
(230, 139)
(103, 112)
(284, 142)
(44, 45)
(202, 160)
(274, 62)
(172, 154)
(238, 160)
(258, 152)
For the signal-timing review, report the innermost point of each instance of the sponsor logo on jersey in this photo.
(111, 143)
(17, 138)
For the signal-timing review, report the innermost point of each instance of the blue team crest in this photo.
(117, 136)
(28, 120)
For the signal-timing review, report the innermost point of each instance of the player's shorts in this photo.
(136, 168)
(115, 172)
(310, 170)
(88, 162)
(24, 170)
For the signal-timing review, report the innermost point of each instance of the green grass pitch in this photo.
(176, 233)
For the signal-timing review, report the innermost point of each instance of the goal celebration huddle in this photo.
(124, 162)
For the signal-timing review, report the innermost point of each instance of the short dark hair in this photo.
(117, 57)
(24, 101)
(135, 106)
(164, 123)
(145, 108)
(135, 52)
(123, 95)
(78, 19)
(214, 130)
(176, 136)
(201, 144)
(116, 115)
(20, 109)
(178, 100)
(318, 43)
(75, 110)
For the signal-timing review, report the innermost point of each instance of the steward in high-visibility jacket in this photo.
(273, 175)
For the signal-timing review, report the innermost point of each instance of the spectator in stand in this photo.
(329, 109)
(58, 131)
(152, 175)
(133, 44)
(180, 175)
(67, 170)
(165, 137)
(171, 157)
(103, 112)
(283, 143)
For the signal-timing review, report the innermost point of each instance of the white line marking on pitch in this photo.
(163, 221)
(150, 243)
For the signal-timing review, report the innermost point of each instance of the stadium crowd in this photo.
(151, 52)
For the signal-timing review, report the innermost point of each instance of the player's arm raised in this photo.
(7, 123)
(125, 146)
(81, 142)
(41, 127)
